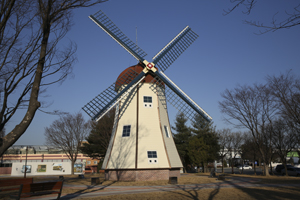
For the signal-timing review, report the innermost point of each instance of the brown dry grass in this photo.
(272, 193)
(185, 180)
(270, 180)
(266, 193)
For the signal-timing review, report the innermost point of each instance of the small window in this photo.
(95, 162)
(88, 162)
(152, 154)
(147, 99)
(126, 131)
(167, 131)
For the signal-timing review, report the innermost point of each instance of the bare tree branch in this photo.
(30, 31)
(292, 17)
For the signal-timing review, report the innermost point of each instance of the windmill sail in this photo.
(113, 31)
(177, 98)
(174, 48)
(106, 100)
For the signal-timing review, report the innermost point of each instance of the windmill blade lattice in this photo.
(184, 105)
(100, 103)
(112, 30)
(174, 48)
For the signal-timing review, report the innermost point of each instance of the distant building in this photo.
(41, 160)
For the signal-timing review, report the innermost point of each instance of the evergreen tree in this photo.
(207, 132)
(181, 138)
(197, 151)
(99, 137)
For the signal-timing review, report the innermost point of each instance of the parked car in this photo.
(278, 168)
(238, 165)
(245, 167)
(292, 171)
(297, 165)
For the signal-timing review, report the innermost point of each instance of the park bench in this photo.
(39, 189)
(13, 184)
(89, 171)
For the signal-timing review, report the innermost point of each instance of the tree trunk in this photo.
(72, 167)
(232, 166)
(205, 169)
(285, 168)
(34, 104)
(242, 166)
(223, 164)
(266, 165)
(266, 168)
(254, 165)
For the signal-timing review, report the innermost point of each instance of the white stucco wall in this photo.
(150, 133)
(121, 153)
(62, 168)
(169, 141)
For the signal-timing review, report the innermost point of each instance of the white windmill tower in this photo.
(142, 146)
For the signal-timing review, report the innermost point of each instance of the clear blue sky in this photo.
(226, 53)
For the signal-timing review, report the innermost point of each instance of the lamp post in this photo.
(26, 162)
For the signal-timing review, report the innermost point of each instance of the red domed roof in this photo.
(130, 73)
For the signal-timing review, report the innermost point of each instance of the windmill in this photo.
(141, 146)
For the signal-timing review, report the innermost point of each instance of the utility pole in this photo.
(26, 162)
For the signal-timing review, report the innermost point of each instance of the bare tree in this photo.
(224, 142)
(250, 150)
(286, 90)
(292, 18)
(251, 108)
(236, 144)
(67, 133)
(284, 139)
(30, 31)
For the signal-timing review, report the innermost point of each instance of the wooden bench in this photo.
(8, 183)
(39, 189)
(88, 171)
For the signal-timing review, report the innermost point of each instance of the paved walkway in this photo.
(116, 190)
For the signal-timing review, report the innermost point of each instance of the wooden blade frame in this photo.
(106, 100)
(174, 48)
(176, 97)
(113, 31)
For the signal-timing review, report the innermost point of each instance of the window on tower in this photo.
(126, 131)
(152, 157)
(167, 131)
(152, 154)
(148, 101)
